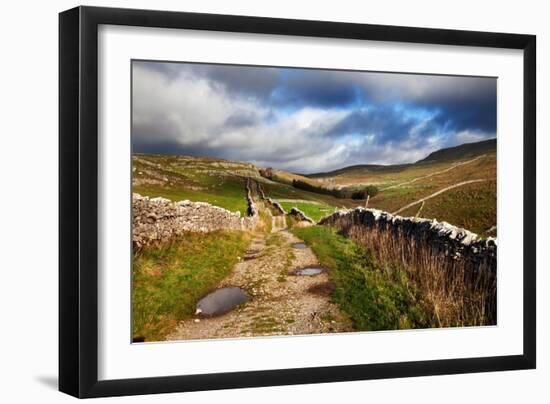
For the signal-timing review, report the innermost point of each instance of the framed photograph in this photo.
(251, 201)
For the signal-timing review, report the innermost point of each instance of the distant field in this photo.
(473, 207)
(288, 192)
(313, 210)
(222, 183)
(198, 180)
(398, 196)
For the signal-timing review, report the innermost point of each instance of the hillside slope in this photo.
(463, 151)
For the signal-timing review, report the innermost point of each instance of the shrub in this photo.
(306, 186)
(342, 193)
(369, 190)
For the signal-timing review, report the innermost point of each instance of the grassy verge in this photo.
(375, 297)
(168, 282)
(315, 211)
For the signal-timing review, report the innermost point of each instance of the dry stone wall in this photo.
(300, 216)
(276, 205)
(252, 209)
(443, 238)
(261, 192)
(157, 220)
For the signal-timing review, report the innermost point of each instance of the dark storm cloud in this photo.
(386, 121)
(241, 119)
(305, 119)
(317, 88)
(168, 70)
(242, 80)
(464, 103)
(469, 113)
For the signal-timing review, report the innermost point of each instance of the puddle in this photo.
(310, 271)
(221, 301)
(299, 246)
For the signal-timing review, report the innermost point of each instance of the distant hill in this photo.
(361, 168)
(463, 151)
(460, 152)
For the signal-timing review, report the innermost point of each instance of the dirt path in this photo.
(435, 194)
(434, 173)
(281, 303)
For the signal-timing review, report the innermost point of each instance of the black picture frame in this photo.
(78, 201)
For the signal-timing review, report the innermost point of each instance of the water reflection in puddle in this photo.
(221, 301)
(300, 246)
(309, 271)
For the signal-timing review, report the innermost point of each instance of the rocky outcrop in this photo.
(157, 220)
(300, 216)
(440, 237)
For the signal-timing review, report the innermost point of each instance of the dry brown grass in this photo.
(322, 289)
(459, 293)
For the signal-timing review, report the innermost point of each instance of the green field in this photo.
(315, 211)
(195, 179)
(284, 191)
(230, 195)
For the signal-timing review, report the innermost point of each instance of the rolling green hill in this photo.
(463, 151)
(457, 185)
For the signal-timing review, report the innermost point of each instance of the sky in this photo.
(305, 120)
